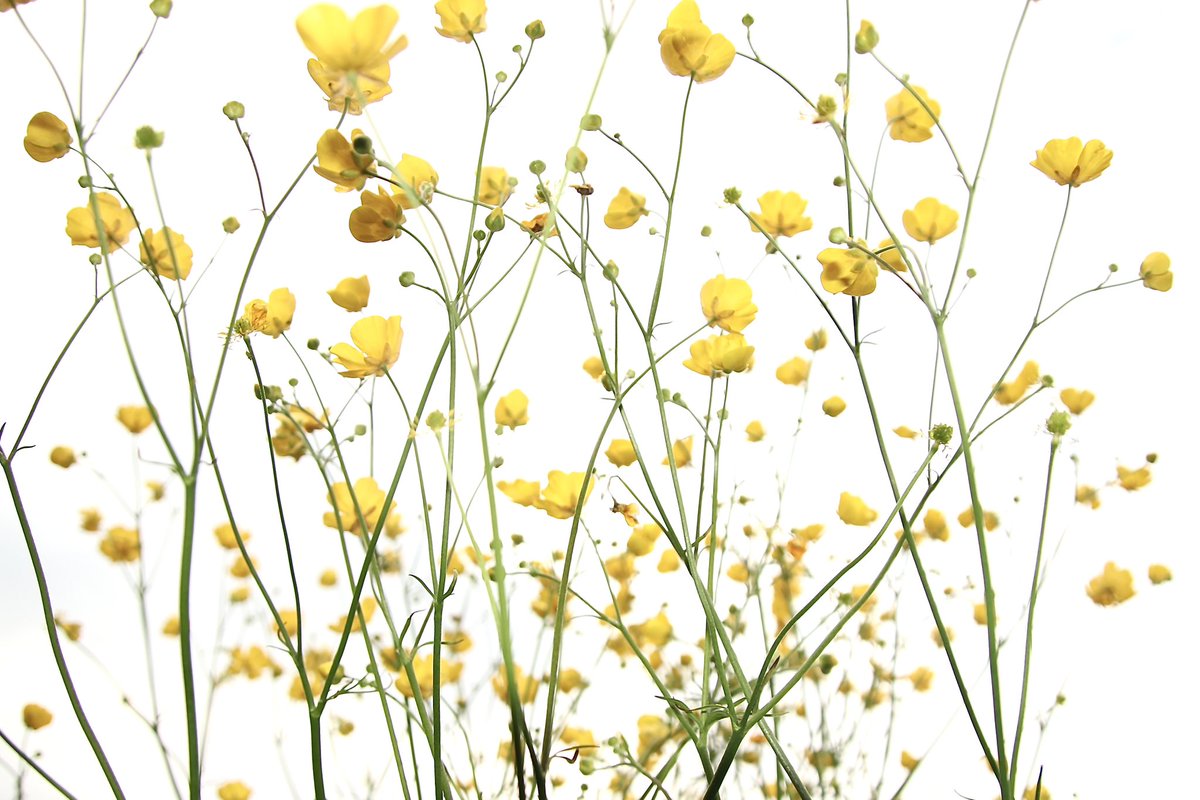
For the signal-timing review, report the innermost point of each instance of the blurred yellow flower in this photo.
(378, 343)
(561, 494)
(168, 254)
(593, 366)
(793, 372)
(717, 356)
(117, 221)
(848, 271)
(90, 519)
(521, 492)
(251, 662)
(654, 631)
(461, 19)
(625, 210)
(817, 341)
(922, 679)
(494, 188)
(990, 521)
(272, 317)
(352, 294)
(688, 47)
(905, 432)
(755, 431)
(35, 716)
(121, 545)
(72, 630)
(1009, 393)
(46, 137)
(930, 220)
(682, 451)
(1159, 573)
(1133, 479)
(1076, 400)
(935, 525)
(328, 578)
(620, 452)
(980, 613)
(337, 161)
(226, 537)
(853, 511)
(418, 181)
(781, 214)
(908, 761)
(642, 540)
(526, 685)
(378, 217)
(726, 303)
(1156, 272)
(1070, 161)
(1113, 586)
(9, 5)
(909, 120)
(351, 64)
(1088, 495)
(669, 561)
(235, 790)
(833, 406)
(62, 456)
(512, 410)
(171, 626)
(135, 418)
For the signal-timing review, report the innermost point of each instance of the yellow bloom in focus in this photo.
(1076, 400)
(1111, 587)
(793, 372)
(1156, 272)
(235, 790)
(833, 406)
(688, 47)
(853, 511)
(351, 294)
(494, 187)
(1070, 161)
(561, 494)
(418, 180)
(593, 366)
(1009, 393)
(461, 19)
(46, 137)
(226, 537)
(117, 221)
(62, 456)
(682, 451)
(1133, 479)
(272, 317)
(378, 218)
(168, 254)
(351, 64)
(512, 410)
(889, 253)
(370, 502)
(1159, 573)
(625, 210)
(717, 356)
(726, 303)
(378, 343)
(781, 214)
(338, 161)
(35, 716)
(121, 545)
(755, 431)
(909, 120)
(135, 418)
(848, 271)
(620, 452)
(930, 220)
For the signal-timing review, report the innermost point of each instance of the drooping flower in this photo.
(378, 347)
(1011, 392)
(781, 214)
(793, 372)
(625, 210)
(273, 316)
(62, 456)
(1156, 272)
(339, 162)
(853, 511)
(930, 220)
(562, 491)
(419, 180)
(512, 410)
(461, 19)
(620, 452)
(351, 64)
(494, 187)
(717, 356)
(849, 271)
(1076, 400)
(909, 120)
(379, 217)
(135, 418)
(46, 137)
(352, 294)
(689, 48)
(121, 545)
(726, 303)
(117, 220)
(369, 501)
(1070, 161)
(1111, 587)
(35, 716)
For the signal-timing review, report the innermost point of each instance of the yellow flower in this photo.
(46, 137)
(527, 685)
(620, 452)
(578, 737)
(378, 343)
(669, 561)
(908, 761)
(72, 630)
(423, 669)
(521, 492)
(378, 218)
(351, 64)
(990, 521)
(922, 679)
(90, 519)
(226, 538)
(352, 294)
(135, 418)
(625, 210)
(642, 540)
(720, 355)
(688, 47)
(461, 19)
(1070, 161)
(537, 226)
(930, 220)
(905, 432)
(272, 317)
(1156, 272)
(288, 439)
(655, 631)
(251, 662)
(935, 525)
(593, 366)
(853, 511)
(121, 545)
(726, 303)
(512, 410)
(35, 716)
(494, 187)
(1113, 586)
(682, 451)
(1009, 393)
(980, 613)
(1036, 793)
(157, 491)
(817, 341)
(909, 120)
(328, 578)
(781, 214)
(171, 627)
(1088, 495)
(561, 494)
(118, 222)
(9, 5)
(755, 431)
(1133, 479)
(1159, 573)
(846, 271)
(62, 456)
(1076, 400)
(370, 502)
(833, 406)
(418, 180)
(793, 372)
(168, 254)
(235, 790)
(889, 252)
(338, 161)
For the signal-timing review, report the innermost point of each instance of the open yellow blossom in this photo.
(935, 525)
(793, 372)
(418, 180)
(593, 366)
(1087, 495)
(378, 217)
(521, 492)
(512, 410)
(117, 221)
(226, 538)
(930, 220)
(90, 519)
(1113, 586)
(717, 356)
(755, 431)
(461, 19)
(889, 252)
(46, 137)
(338, 161)
(1156, 272)
(688, 47)
(168, 254)
(625, 210)
(1070, 161)
(62, 456)
(1076, 400)
(352, 294)
(561, 494)
(1159, 573)
(351, 64)
(369, 501)
(135, 418)
(642, 540)
(849, 271)
(494, 187)
(909, 120)
(726, 303)
(853, 511)
(833, 406)
(781, 214)
(121, 545)
(272, 317)
(378, 343)
(235, 790)
(1133, 479)
(669, 561)
(655, 631)
(1009, 393)
(620, 452)
(682, 451)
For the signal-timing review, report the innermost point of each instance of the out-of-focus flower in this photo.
(157, 490)
(339, 162)
(351, 64)
(512, 410)
(272, 317)
(793, 372)
(980, 613)
(889, 252)
(726, 303)
(72, 630)
(226, 537)
(352, 294)
(935, 525)
(420, 180)
(46, 137)
(654, 631)
(669, 561)
(620, 452)
(121, 545)
(369, 501)
(755, 431)
(1070, 161)
(171, 626)
(117, 221)
(930, 220)
(1156, 272)
(235, 790)
(9, 5)
(562, 491)
(328, 578)
(833, 406)
(853, 511)
(461, 19)
(62, 456)
(378, 217)
(905, 432)
(688, 47)
(526, 685)
(1133, 479)
(1113, 586)
(717, 356)
(908, 761)
(593, 366)
(1159, 573)
(521, 492)
(682, 451)
(494, 187)
(909, 120)
(35, 716)
(990, 521)
(90, 519)
(781, 214)
(817, 341)
(423, 670)
(849, 271)
(922, 679)
(1009, 393)
(135, 418)
(251, 662)
(625, 210)
(1076, 400)
(378, 347)
(1088, 495)
(642, 540)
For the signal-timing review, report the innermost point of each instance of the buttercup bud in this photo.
(407, 279)
(230, 225)
(942, 434)
(495, 220)
(234, 110)
(501, 77)
(146, 138)
(706, 231)
(537, 167)
(95, 260)
(362, 145)
(360, 430)
(84, 182)
(535, 30)
(590, 122)
(971, 273)
(577, 160)
(436, 421)
(313, 343)
(826, 108)
(837, 235)
(161, 8)
(732, 195)
(747, 20)
(479, 236)
(1058, 423)
(611, 270)
(866, 38)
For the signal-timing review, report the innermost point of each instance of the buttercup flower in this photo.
(909, 120)
(990, 521)
(235, 790)
(1159, 573)
(793, 372)
(905, 432)
(226, 538)
(688, 47)
(370, 501)
(1133, 479)
(848, 271)
(121, 545)
(378, 343)
(755, 431)
(720, 355)
(379, 217)
(561, 494)
(682, 451)
(494, 187)
(117, 220)
(525, 493)
(135, 418)
(625, 210)
(352, 294)
(1111, 587)
(593, 366)
(89, 519)
(889, 252)
(930, 220)
(338, 161)
(62, 456)
(512, 410)
(1076, 400)
(35, 716)
(46, 136)
(420, 176)
(781, 214)
(1009, 393)
(168, 254)
(620, 452)
(272, 317)
(833, 406)
(423, 669)
(1156, 272)
(853, 511)
(351, 64)
(1070, 161)
(461, 19)
(726, 303)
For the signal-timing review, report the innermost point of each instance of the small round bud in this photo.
(362, 145)
(537, 167)
(653, 231)
(436, 421)
(611, 271)
(535, 30)
(971, 273)
(230, 224)
(161, 8)
(1113, 268)
(723, 414)
(479, 236)
(942, 434)
(577, 160)
(517, 48)
(732, 195)
(1058, 423)
(676, 398)
(838, 236)
(146, 138)
(826, 108)
(497, 462)
(501, 77)
(95, 259)
(360, 430)
(747, 20)
(706, 231)
(841, 79)
(293, 382)
(866, 38)
(407, 279)
(495, 220)
(84, 182)
(1151, 458)
(838, 180)
(313, 343)
(590, 122)
(1047, 380)
(234, 110)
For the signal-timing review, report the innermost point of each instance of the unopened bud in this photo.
(590, 122)
(161, 8)
(234, 110)
(313, 343)
(95, 259)
(838, 236)
(146, 138)
(747, 20)
(362, 145)
(1058, 423)
(866, 38)
(535, 30)
(230, 225)
(706, 231)
(577, 160)
(407, 279)
(611, 271)
(732, 195)
(537, 167)
(942, 434)
(495, 220)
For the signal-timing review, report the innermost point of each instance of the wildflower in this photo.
(793, 372)
(378, 343)
(537, 226)
(9, 5)
(168, 254)
(328, 578)
(135, 418)
(46, 136)
(833, 406)
(227, 538)
(625, 210)
(1070, 161)
(171, 626)
(593, 366)
(1088, 495)
(351, 64)
(418, 181)
(461, 19)
(121, 545)
(35, 716)
(251, 662)
(1159, 573)
(688, 47)
(512, 410)
(1009, 393)
(377, 219)
(367, 498)
(561, 495)
(272, 317)
(922, 679)
(367, 607)
(853, 511)
(726, 303)
(681, 450)
(642, 540)
(62, 456)
(889, 252)
(235, 790)
(755, 431)
(935, 525)
(849, 271)
(980, 613)
(577, 737)
(423, 670)
(990, 521)
(1156, 272)
(1133, 479)
(908, 761)
(526, 685)
(352, 294)
(620, 452)
(494, 186)
(905, 432)
(339, 162)
(89, 520)
(1111, 587)
(117, 221)
(817, 341)
(655, 631)
(717, 356)
(781, 214)
(1076, 400)
(72, 630)
(668, 562)
(909, 120)
(930, 220)
(521, 492)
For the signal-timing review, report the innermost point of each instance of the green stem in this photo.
(662, 264)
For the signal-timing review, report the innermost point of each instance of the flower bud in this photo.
(230, 225)
(732, 195)
(611, 271)
(436, 421)
(84, 182)
(590, 122)
(1058, 423)
(407, 279)
(866, 38)
(95, 259)
(479, 236)
(146, 138)
(537, 167)
(747, 20)
(577, 160)
(838, 236)
(360, 430)
(706, 231)
(161, 8)
(535, 30)
(838, 180)
(501, 77)
(826, 108)
(313, 343)
(495, 220)
(234, 110)
(497, 462)
(971, 273)
(362, 145)
(942, 434)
